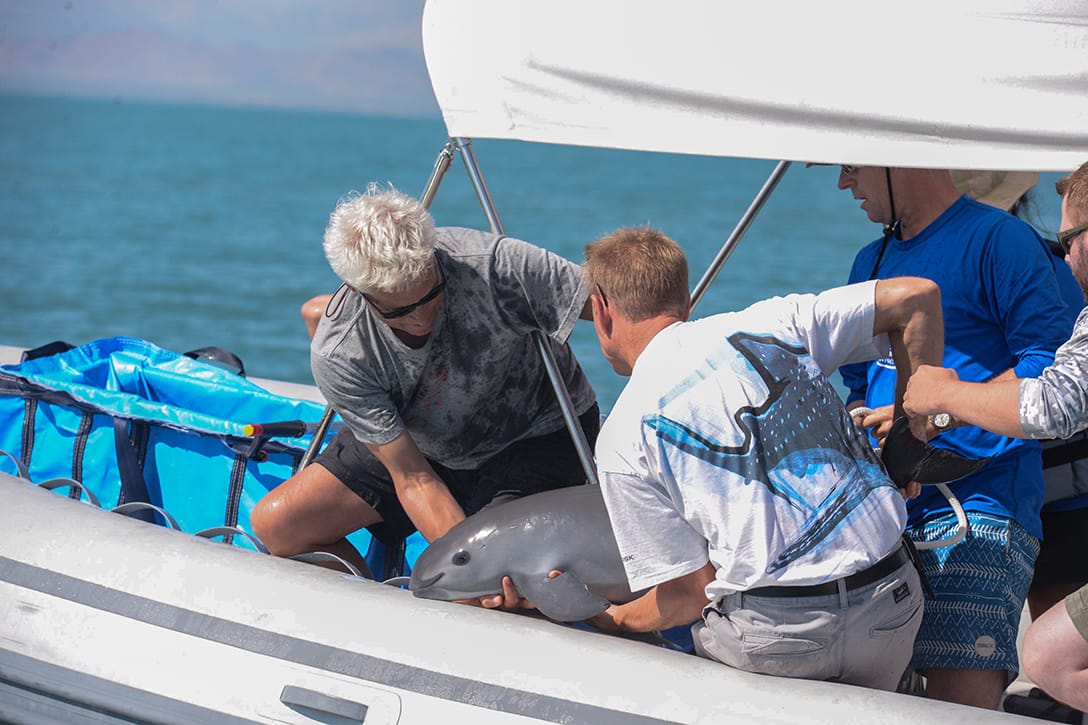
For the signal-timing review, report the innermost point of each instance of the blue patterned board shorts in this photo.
(980, 585)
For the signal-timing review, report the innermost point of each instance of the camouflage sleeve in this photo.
(1055, 405)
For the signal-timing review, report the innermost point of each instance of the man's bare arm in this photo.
(672, 603)
(430, 505)
(994, 406)
(908, 309)
(424, 496)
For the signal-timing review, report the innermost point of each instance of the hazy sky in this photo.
(355, 55)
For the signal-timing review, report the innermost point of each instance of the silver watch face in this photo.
(942, 421)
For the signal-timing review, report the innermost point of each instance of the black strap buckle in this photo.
(912, 552)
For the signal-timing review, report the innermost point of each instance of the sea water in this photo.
(192, 225)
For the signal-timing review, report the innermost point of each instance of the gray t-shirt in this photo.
(479, 383)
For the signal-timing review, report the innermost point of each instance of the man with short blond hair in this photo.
(738, 486)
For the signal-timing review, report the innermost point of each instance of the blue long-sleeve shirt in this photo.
(1002, 309)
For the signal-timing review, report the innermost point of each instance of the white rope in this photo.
(961, 523)
(862, 411)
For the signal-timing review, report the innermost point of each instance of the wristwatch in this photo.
(941, 421)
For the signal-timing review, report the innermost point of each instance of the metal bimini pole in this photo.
(478, 184)
(565, 403)
(441, 166)
(738, 231)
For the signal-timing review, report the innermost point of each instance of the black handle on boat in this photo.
(289, 428)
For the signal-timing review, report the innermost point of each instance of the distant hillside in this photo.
(384, 75)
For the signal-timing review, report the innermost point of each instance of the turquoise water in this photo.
(192, 226)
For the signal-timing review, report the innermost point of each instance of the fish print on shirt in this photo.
(800, 429)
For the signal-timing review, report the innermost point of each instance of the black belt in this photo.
(877, 571)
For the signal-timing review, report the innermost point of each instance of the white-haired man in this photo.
(427, 353)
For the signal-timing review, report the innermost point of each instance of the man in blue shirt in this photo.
(1004, 317)
(1053, 405)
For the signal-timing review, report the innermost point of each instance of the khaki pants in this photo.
(864, 636)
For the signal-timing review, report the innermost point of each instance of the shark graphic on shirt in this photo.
(801, 429)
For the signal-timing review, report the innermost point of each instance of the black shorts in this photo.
(1063, 557)
(529, 466)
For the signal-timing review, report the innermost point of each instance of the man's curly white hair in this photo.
(380, 241)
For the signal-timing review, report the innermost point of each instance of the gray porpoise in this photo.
(566, 529)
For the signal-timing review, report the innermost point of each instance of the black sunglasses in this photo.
(1066, 238)
(409, 309)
